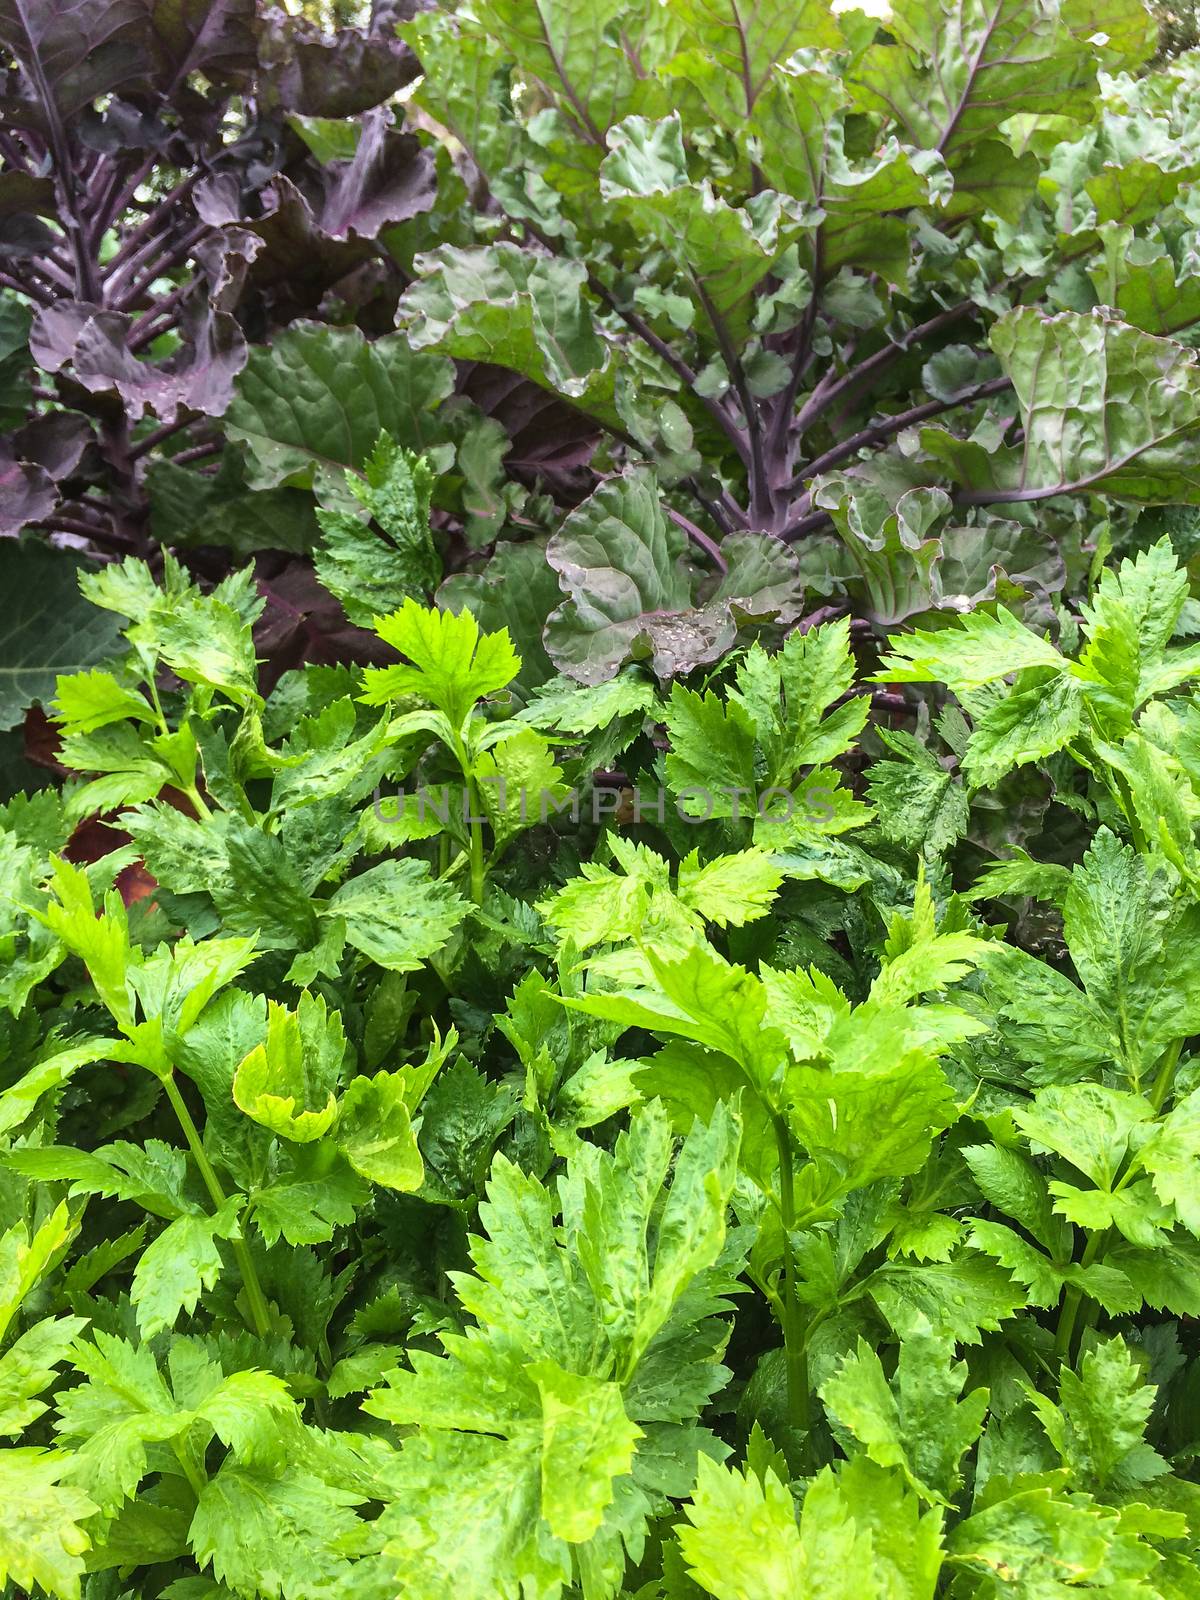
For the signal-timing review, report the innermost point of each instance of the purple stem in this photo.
(699, 537)
(879, 431)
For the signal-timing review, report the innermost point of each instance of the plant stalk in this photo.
(795, 1355)
(1071, 1301)
(1165, 1076)
(475, 824)
(254, 1293)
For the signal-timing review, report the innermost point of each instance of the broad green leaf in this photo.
(207, 642)
(720, 252)
(100, 942)
(1036, 1534)
(1082, 384)
(710, 767)
(951, 73)
(85, 701)
(1011, 1182)
(1140, 280)
(916, 800)
(1045, 1018)
(732, 890)
(517, 591)
(699, 996)
(513, 309)
(861, 1536)
(1091, 1126)
(128, 1406)
(47, 630)
(1164, 1276)
(519, 781)
(151, 1175)
(321, 396)
(630, 597)
(965, 1297)
(310, 1199)
(862, 1125)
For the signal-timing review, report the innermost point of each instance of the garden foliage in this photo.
(424, 1188)
(598, 999)
(916, 301)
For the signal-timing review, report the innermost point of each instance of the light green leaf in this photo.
(917, 1422)
(175, 1270)
(587, 1441)
(375, 1132)
(452, 664)
(1171, 1156)
(741, 1537)
(27, 1368)
(1028, 724)
(1098, 1426)
(41, 1541)
(730, 891)
(27, 1254)
(788, 696)
(370, 572)
(275, 1536)
(981, 649)
(287, 1083)
(19, 1102)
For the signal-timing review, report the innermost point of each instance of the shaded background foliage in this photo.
(694, 350)
(701, 347)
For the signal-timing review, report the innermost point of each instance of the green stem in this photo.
(164, 726)
(476, 826)
(474, 821)
(1166, 1075)
(1070, 1306)
(795, 1355)
(254, 1294)
(203, 809)
(194, 1477)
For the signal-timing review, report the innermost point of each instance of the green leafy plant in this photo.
(470, 1131)
(842, 282)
